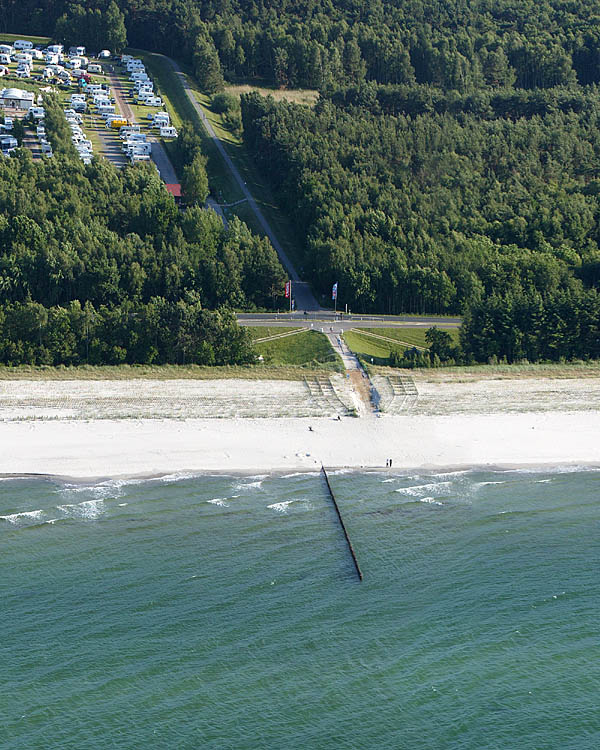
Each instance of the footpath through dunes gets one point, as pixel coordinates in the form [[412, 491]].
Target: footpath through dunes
[[304, 298]]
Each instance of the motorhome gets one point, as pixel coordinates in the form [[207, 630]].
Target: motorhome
[[76, 51], [5, 59], [6, 49], [106, 109], [38, 113], [168, 131], [104, 54], [127, 130], [23, 44], [56, 49], [73, 63], [94, 68], [24, 57], [161, 118], [136, 158], [52, 58], [8, 142]]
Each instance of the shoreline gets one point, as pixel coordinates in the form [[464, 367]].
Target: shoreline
[[101, 450], [78, 431], [183, 474]]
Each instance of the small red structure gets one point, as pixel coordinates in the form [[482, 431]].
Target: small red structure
[[175, 190]]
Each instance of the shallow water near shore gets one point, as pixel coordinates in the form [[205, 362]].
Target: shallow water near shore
[[225, 612]]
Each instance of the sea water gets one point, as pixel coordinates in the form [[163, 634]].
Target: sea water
[[225, 612]]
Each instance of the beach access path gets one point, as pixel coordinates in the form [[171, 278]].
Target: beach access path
[[360, 380]]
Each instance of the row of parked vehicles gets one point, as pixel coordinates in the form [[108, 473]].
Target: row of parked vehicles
[[58, 64], [8, 143], [82, 143], [142, 91]]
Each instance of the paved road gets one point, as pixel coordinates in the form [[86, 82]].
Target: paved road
[[335, 323], [163, 163], [303, 296]]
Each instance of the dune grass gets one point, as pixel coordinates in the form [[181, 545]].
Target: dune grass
[[158, 372], [473, 373]]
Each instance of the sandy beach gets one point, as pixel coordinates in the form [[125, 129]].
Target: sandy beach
[[111, 429]]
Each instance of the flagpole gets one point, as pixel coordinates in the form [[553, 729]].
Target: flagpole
[[290, 295]]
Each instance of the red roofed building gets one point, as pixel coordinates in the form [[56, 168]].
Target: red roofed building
[[175, 190]]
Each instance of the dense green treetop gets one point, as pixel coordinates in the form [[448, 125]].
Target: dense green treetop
[[456, 44]]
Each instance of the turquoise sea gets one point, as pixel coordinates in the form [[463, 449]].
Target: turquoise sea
[[225, 612]]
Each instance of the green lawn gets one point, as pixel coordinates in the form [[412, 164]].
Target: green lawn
[[380, 350], [262, 332], [306, 349], [10, 38]]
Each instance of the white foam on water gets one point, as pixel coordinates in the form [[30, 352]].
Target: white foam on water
[[88, 509], [218, 501], [249, 485], [170, 478], [301, 474], [430, 500], [281, 507], [418, 489], [483, 484], [101, 491], [122, 505], [14, 517]]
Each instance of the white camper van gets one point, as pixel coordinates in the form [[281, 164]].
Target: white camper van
[[23, 44]]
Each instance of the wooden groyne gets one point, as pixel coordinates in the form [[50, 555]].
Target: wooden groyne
[[342, 524]]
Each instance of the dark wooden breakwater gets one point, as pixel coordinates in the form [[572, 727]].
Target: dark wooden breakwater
[[342, 524]]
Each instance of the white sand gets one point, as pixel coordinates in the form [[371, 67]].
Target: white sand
[[82, 447]]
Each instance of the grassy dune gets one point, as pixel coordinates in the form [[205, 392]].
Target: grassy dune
[[379, 349]]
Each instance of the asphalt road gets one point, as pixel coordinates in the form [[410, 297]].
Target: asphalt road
[[303, 296], [336, 322]]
